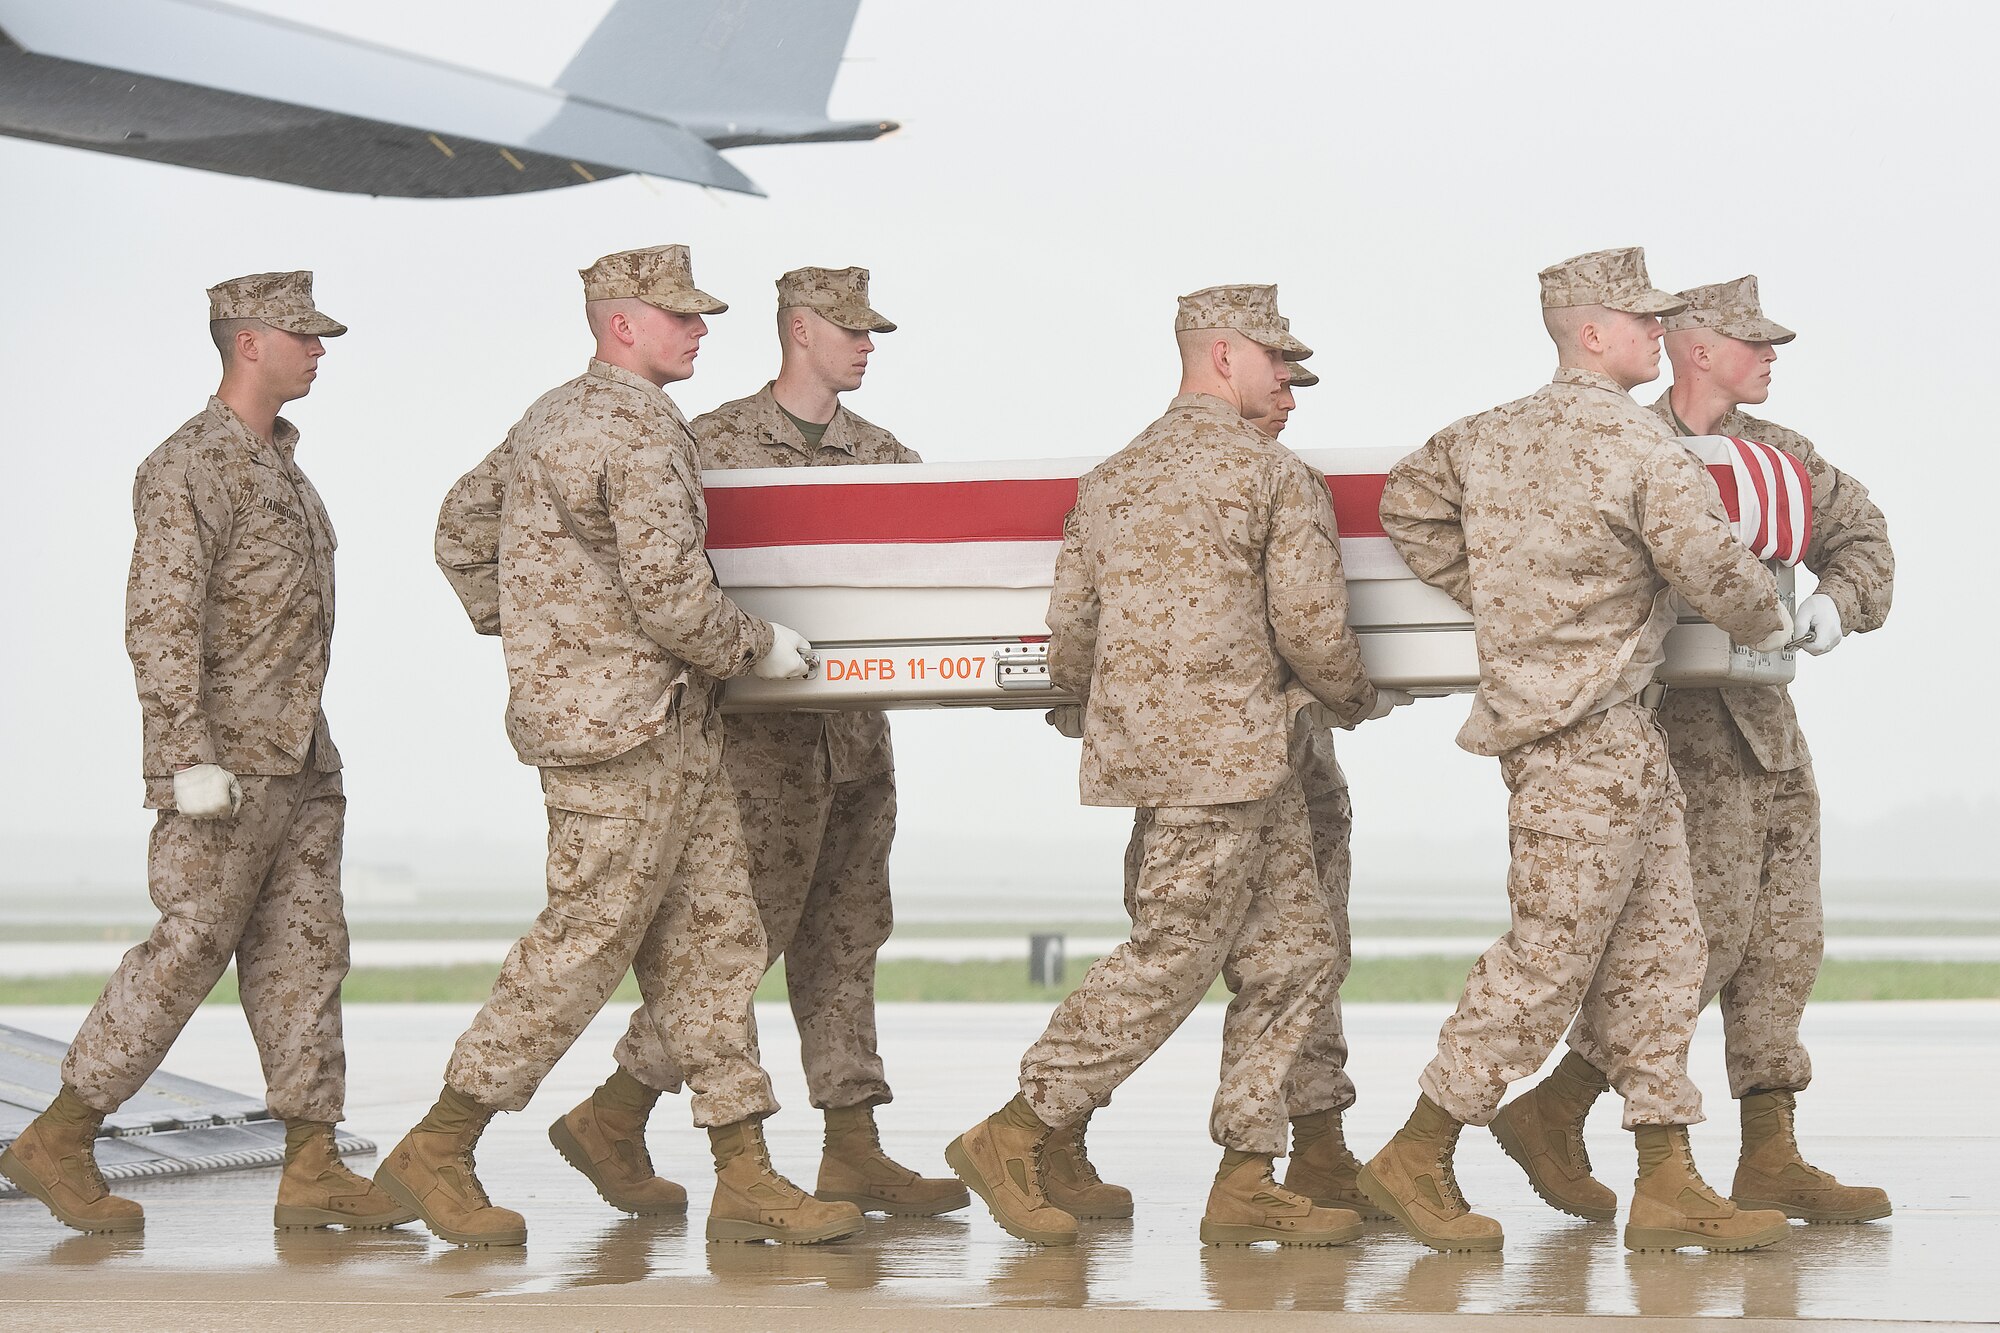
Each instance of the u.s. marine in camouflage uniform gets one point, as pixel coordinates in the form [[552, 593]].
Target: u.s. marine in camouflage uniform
[[1320, 1089], [1752, 804], [817, 791], [228, 620], [616, 639], [1198, 604], [1561, 521]]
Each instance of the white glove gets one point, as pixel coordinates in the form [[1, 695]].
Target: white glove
[[790, 657], [1818, 629], [207, 791], [1387, 701], [1777, 638], [1067, 720]]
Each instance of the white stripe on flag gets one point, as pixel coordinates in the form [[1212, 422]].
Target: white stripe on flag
[[959, 564]]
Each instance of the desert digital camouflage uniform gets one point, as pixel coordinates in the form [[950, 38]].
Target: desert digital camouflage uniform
[[615, 637], [1319, 1080], [228, 619], [1752, 805], [817, 796], [1198, 590], [1560, 521]]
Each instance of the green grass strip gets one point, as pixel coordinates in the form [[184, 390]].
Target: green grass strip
[[1375, 980]]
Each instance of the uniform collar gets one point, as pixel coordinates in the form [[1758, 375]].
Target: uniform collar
[[1589, 379], [604, 370], [1731, 423], [284, 435], [779, 429], [1204, 402]]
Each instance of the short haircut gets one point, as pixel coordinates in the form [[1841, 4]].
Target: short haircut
[[223, 332]]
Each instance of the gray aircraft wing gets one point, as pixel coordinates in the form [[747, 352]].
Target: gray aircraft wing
[[657, 88]]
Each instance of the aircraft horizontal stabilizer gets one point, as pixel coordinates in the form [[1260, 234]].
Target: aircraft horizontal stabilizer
[[732, 71], [217, 46]]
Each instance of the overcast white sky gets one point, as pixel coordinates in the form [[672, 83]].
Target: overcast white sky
[[1401, 171]]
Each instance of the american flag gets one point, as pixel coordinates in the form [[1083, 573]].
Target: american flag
[[1766, 490]]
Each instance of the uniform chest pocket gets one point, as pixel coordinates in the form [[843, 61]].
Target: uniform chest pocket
[[277, 521]]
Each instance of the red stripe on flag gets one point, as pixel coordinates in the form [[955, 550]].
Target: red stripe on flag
[[1787, 483], [871, 513], [1357, 503], [884, 513], [1755, 541], [1725, 482]]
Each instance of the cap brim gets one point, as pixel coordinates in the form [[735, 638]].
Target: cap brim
[[1279, 341], [855, 318], [314, 325], [1652, 301], [694, 301], [1306, 383], [1757, 331]]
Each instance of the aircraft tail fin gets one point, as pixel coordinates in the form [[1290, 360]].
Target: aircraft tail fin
[[732, 71]]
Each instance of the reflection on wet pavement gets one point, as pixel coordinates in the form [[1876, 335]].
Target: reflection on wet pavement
[[209, 1245]]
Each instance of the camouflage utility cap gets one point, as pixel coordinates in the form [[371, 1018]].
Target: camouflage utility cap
[[660, 275], [1251, 309], [840, 295], [282, 300], [1613, 278], [1731, 309], [1302, 376]]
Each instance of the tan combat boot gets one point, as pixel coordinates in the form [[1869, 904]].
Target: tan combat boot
[[753, 1202], [1245, 1206], [1542, 1130], [53, 1160], [431, 1171], [854, 1169], [1322, 1169], [317, 1189], [1072, 1183], [1411, 1179], [1672, 1206], [605, 1139], [1000, 1158], [1772, 1174]]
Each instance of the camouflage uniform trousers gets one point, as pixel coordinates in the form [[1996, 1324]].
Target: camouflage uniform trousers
[[1223, 890], [1753, 840], [1319, 1080], [1605, 929], [264, 886], [646, 871], [819, 865]]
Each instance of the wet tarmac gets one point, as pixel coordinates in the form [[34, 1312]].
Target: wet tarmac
[[1901, 1098]]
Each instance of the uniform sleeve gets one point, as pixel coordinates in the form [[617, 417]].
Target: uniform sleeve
[[1073, 613], [1850, 544], [891, 449], [1420, 512], [1684, 527], [467, 544], [657, 520], [1307, 597], [184, 520]]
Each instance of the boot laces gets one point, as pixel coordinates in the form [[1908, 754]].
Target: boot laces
[[1086, 1170], [478, 1191], [1447, 1175], [1579, 1151], [1684, 1150]]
